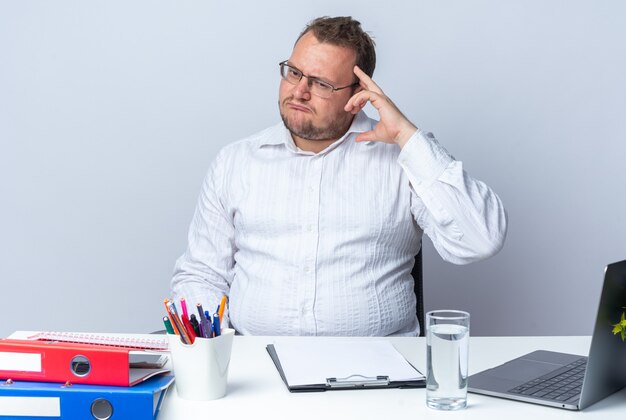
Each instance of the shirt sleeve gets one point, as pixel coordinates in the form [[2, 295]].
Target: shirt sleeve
[[463, 217], [204, 273]]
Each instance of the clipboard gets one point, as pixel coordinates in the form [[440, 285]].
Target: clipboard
[[394, 371]]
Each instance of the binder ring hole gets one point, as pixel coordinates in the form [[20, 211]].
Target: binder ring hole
[[80, 366], [101, 409]]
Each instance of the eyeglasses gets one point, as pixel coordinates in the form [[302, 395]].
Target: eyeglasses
[[318, 87]]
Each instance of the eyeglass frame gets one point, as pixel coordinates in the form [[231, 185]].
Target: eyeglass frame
[[311, 79]]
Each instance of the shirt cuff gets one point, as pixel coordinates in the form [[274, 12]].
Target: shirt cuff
[[423, 158]]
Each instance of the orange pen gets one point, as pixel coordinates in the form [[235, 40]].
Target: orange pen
[[222, 307], [182, 330], [171, 316]]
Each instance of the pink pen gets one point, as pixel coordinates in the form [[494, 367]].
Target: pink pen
[[183, 305]]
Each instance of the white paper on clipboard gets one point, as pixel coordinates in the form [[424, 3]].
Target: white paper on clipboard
[[307, 362]]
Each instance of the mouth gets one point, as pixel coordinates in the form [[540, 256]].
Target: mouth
[[298, 107]]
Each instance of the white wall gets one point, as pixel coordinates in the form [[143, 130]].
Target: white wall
[[110, 113]]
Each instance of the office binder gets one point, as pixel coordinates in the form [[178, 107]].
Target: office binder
[[38, 400], [50, 361], [334, 365]]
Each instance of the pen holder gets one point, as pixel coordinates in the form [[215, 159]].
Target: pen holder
[[201, 368]]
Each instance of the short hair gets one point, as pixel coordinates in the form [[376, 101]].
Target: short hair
[[346, 32]]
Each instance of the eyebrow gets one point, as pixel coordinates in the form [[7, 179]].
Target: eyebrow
[[323, 79]]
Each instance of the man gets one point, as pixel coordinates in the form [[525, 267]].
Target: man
[[311, 226]]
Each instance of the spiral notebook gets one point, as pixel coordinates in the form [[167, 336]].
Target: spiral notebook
[[138, 341]]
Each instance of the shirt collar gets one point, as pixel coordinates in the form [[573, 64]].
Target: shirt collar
[[281, 135]]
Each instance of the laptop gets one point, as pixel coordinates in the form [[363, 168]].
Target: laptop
[[565, 380]]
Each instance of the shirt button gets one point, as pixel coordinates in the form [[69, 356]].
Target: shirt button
[[307, 269], [311, 189], [309, 228]]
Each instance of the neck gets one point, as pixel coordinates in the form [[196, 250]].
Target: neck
[[314, 146]]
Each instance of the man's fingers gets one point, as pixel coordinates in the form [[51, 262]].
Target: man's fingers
[[356, 102], [367, 136], [360, 99], [366, 81]]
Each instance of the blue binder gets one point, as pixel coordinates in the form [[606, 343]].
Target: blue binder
[[22, 400]]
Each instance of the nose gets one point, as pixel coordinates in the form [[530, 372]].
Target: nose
[[302, 89]]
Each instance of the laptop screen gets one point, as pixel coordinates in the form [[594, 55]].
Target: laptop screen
[[606, 367]]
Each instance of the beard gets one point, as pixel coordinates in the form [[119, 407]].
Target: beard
[[307, 130]]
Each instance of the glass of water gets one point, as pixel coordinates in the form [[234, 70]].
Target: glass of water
[[447, 335]]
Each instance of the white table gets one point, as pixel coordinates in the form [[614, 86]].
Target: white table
[[256, 391]]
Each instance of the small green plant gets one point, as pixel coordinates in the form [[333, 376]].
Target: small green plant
[[620, 327]]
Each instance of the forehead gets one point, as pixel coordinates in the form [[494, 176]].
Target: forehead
[[327, 61]]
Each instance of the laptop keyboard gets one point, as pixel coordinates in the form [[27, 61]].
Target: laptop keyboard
[[563, 385]]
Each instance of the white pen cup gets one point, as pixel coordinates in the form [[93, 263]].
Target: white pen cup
[[201, 368], [447, 335]]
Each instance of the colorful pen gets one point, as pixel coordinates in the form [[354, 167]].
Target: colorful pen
[[183, 306], [204, 322], [166, 301], [184, 333], [216, 325], [168, 325], [189, 328], [196, 325], [209, 331], [222, 307]]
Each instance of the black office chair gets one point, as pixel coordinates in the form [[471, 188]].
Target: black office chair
[[419, 291]]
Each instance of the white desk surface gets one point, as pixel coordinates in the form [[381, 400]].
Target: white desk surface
[[255, 389]]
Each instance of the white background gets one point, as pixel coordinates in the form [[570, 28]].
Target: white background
[[111, 112]]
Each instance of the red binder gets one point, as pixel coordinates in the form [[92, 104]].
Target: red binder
[[47, 361]]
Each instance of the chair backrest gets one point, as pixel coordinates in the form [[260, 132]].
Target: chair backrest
[[419, 291]]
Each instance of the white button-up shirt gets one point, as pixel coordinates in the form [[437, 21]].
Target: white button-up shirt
[[324, 244]]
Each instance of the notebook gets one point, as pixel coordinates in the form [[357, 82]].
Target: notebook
[[564, 380], [139, 341]]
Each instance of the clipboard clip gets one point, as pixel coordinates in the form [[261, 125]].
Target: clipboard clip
[[357, 381]]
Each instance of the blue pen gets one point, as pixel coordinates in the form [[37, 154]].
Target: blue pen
[[216, 324], [209, 330]]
